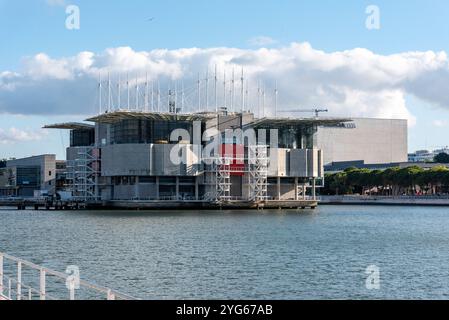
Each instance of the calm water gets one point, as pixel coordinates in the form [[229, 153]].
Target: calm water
[[243, 255]]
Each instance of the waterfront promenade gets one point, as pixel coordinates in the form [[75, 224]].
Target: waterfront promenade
[[386, 200]]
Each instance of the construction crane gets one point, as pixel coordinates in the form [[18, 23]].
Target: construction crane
[[316, 111]]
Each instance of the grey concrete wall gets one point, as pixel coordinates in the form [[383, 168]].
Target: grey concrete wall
[[126, 160], [374, 141], [279, 162], [47, 164], [302, 163]]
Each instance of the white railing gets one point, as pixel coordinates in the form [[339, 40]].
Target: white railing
[[12, 286]]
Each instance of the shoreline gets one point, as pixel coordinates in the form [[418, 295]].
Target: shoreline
[[442, 201]]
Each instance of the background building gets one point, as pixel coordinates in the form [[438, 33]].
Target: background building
[[364, 141], [22, 177], [426, 155]]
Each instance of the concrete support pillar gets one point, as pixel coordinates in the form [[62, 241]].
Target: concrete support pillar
[[304, 191], [157, 188], [177, 188], [136, 189], [197, 191], [296, 188], [279, 188], [314, 189]]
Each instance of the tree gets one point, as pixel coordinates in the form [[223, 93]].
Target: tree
[[441, 158]]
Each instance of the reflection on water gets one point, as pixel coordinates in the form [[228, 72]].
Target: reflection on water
[[321, 254]]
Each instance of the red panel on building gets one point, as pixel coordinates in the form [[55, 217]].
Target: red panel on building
[[237, 153]]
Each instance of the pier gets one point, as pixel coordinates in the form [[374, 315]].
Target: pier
[[40, 203]]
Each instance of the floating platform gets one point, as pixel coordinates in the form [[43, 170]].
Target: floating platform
[[203, 205]]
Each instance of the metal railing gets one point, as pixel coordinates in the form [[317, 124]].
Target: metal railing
[[12, 287]]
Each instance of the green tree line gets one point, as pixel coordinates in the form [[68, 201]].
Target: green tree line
[[390, 182]]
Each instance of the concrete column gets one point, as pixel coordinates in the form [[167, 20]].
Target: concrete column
[[314, 189], [304, 191], [296, 188], [136, 188], [177, 188], [197, 195], [157, 188], [279, 188]]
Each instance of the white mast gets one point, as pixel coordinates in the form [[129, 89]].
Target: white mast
[[158, 95], [207, 88], [232, 90], [109, 91], [276, 99], [152, 95], [243, 91], [99, 87], [182, 95], [199, 93], [263, 102], [258, 98], [137, 94], [146, 92], [119, 88], [215, 89], [224, 89], [127, 85], [176, 95], [247, 95]]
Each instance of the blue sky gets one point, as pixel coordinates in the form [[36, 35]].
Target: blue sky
[[28, 27]]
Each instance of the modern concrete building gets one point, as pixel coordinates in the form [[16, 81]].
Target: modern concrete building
[[365, 141], [426, 155], [127, 156], [22, 177]]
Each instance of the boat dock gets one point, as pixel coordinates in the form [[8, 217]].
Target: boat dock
[[40, 203]]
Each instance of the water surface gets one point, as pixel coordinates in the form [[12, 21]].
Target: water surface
[[321, 254]]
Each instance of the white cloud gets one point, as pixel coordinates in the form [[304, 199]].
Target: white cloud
[[13, 135], [440, 123], [353, 83], [59, 3], [261, 41]]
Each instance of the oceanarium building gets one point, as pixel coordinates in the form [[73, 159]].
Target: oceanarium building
[[168, 159]]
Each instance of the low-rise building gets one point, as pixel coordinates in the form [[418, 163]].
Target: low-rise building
[[30, 175]]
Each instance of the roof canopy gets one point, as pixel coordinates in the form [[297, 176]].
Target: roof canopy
[[294, 122], [116, 116], [70, 126]]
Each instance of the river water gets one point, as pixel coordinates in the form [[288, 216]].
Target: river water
[[320, 254]]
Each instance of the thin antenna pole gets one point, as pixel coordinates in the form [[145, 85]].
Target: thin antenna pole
[[182, 95], [99, 87], [207, 88], [232, 90], [109, 91], [258, 98], [137, 94], [276, 99], [176, 95], [224, 89], [158, 95], [215, 89], [146, 92], [199, 93], [152, 96], [242, 79], [119, 87], [263, 102], [169, 96], [127, 84], [247, 95]]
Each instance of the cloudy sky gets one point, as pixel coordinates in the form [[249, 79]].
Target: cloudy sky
[[318, 53]]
